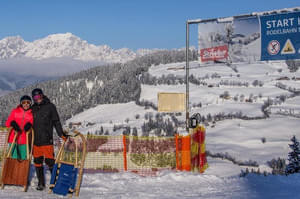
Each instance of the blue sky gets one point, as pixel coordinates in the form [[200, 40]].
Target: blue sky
[[122, 23]]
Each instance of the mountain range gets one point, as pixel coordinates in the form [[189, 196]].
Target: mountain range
[[64, 45], [23, 63]]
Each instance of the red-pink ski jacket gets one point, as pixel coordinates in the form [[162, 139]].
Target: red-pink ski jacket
[[21, 117]]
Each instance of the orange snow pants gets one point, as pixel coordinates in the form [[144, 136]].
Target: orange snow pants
[[43, 152]]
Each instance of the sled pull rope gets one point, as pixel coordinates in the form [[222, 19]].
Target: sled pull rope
[[75, 134]]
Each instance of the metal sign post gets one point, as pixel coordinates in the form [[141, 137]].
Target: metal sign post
[[187, 77], [187, 70]]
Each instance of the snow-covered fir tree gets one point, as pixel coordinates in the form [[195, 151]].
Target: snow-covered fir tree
[[294, 157]]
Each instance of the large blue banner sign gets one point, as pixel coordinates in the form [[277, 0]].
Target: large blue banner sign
[[280, 36]]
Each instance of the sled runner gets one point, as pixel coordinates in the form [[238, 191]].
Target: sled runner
[[16, 171], [67, 175]]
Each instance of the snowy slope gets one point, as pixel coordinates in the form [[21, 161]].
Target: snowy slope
[[108, 115], [234, 136], [220, 181], [242, 138]]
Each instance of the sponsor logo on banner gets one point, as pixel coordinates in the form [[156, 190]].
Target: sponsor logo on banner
[[214, 53]]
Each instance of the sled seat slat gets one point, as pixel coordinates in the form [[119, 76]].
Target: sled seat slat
[[14, 170], [63, 179]]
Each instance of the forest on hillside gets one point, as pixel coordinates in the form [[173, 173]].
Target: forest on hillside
[[108, 84]]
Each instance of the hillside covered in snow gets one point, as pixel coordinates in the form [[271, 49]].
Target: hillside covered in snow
[[106, 84]]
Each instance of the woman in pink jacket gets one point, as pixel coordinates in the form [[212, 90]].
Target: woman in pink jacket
[[21, 120]]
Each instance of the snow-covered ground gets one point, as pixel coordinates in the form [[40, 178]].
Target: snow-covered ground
[[220, 181], [241, 139]]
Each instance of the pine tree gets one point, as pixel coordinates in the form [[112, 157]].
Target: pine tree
[[294, 157]]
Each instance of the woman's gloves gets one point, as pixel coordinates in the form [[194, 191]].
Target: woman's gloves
[[15, 126], [27, 126]]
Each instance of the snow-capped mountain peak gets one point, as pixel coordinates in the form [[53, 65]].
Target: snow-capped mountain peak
[[62, 45], [12, 47]]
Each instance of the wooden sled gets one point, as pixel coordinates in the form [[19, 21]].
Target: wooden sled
[[14, 171], [66, 176]]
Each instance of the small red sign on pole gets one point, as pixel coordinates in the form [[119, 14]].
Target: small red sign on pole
[[214, 53]]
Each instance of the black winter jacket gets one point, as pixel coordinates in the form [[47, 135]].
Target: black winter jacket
[[45, 117]]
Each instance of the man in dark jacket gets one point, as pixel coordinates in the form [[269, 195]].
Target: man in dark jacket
[[45, 117]]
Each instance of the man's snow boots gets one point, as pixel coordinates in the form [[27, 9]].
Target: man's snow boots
[[41, 178]]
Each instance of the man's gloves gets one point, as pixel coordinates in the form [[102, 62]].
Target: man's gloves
[[27, 126], [15, 126], [65, 136]]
